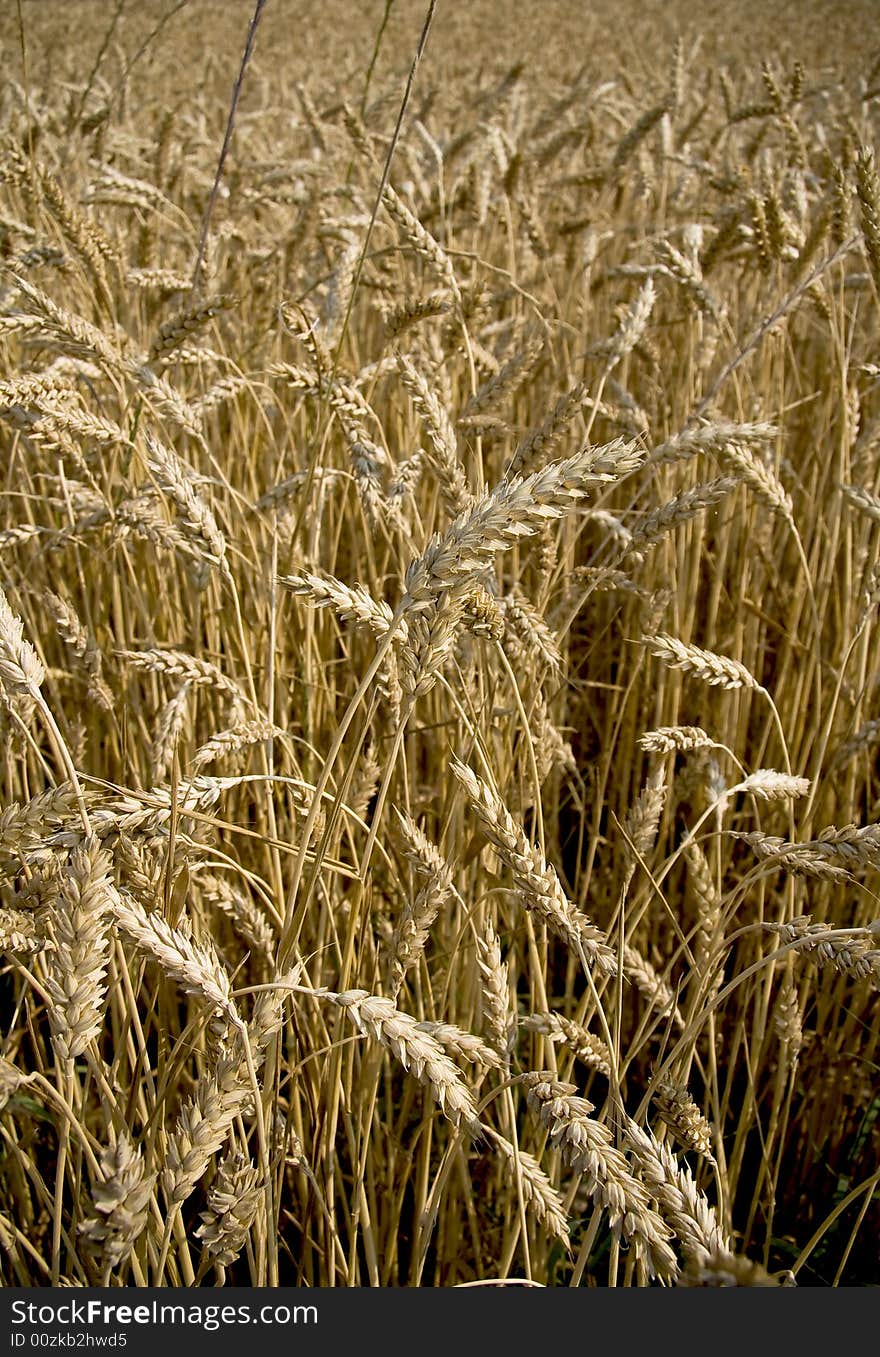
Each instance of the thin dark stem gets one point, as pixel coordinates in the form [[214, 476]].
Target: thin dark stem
[[98, 59], [24, 57], [375, 57], [386, 170], [227, 139], [26, 81], [145, 46]]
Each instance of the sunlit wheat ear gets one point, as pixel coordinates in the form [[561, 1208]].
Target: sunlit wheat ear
[[787, 1021], [25, 826], [195, 515], [631, 328], [228, 742], [801, 859], [680, 509], [768, 785], [185, 324], [868, 187], [121, 1197], [420, 239], [677, 1109], [365, 783], [587, 1146], [540, 442], [21, 932], [21, 672], [537, 884], [708, 902], [688, 274], [414, 923], [667, 739], [589, 1049], [761, 479], [503, 383], [498, 1020], [344, 398], [351, 603], [432, 634], [172, 719], [482, 614], [81, 230], [527, 634], [851, 951], [461, 1044], [863, 499], [419, 1052], [683, 1206], [177, 664], [80, 922], [641, 973], [411, 933], [643, 817], [247, 918], [714, 437], [79, 639], [162, 280], [399, 318], [442, 451], [195, 967], [60, 419], [201, 1129], [717, 670], [513, 510], [72, 332]]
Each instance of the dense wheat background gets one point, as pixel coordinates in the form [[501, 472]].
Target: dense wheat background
[[438, 645]]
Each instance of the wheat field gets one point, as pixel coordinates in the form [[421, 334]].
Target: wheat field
[[439, 662]]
